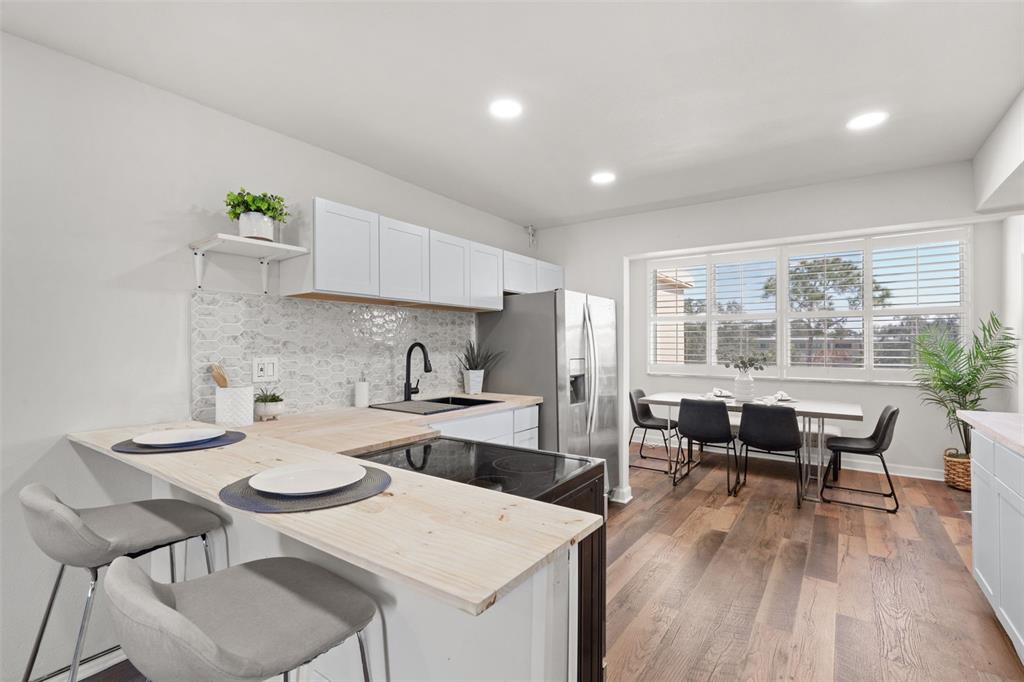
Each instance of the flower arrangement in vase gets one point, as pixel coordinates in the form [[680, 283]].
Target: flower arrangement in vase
[[743, 384]]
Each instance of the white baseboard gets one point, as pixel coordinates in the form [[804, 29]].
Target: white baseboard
[[850, 461]]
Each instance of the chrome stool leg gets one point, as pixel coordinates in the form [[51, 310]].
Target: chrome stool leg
[[208, 553], [80, 643], [362, 655], [174, 568], [42, 626]]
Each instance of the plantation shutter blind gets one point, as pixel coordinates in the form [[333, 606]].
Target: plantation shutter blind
[[679, 296]]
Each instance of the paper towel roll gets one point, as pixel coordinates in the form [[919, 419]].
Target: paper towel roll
[[362, 393]]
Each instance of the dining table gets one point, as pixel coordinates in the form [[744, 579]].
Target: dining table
[[811, 413]]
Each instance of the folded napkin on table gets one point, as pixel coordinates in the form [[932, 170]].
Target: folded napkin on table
[[781, 395], [721, 393]]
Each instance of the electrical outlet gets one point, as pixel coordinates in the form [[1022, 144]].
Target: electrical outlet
[[264, 370]]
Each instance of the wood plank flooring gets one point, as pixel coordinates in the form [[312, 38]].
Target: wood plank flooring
[[702, 586]]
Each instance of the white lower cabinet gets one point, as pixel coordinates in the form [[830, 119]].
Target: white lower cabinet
[[526, 439], [498, 428], [997, 529]]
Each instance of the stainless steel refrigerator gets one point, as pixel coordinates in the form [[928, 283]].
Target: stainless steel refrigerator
[[561, 345]]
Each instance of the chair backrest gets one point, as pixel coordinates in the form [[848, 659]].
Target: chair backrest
[[159, 640], [59, 531], [705, 421], [770, 427], [885, 428], [641, 411]]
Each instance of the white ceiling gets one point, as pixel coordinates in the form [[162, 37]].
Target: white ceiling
[[686, 102]]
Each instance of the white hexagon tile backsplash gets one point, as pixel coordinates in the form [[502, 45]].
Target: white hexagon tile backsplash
[[323, 347]]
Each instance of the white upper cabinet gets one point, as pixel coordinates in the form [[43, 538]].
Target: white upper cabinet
[[404, 260], [486, 276], [520, 273], [345, 249], [449, 269], [549, 276]]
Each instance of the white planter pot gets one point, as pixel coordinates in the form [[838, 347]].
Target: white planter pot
[[267, 411], [256, 226], [473, 381], [743, 387]]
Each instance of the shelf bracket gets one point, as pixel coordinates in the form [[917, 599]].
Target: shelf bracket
[[265, 274], [199, 261]]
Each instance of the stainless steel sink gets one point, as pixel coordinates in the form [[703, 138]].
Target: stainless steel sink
[[433, 405]]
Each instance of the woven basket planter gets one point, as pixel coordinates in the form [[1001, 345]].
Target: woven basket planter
[[958, 470]]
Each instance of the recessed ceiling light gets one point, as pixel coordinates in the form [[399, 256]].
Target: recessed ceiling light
[[506, 108], [603, 178], [868, 120]]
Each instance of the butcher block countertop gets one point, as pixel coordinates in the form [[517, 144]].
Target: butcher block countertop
[[464, 545], [357, 430], [1005, 428]]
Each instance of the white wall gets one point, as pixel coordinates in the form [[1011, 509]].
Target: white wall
[[593, 253], [1013, 296], [999, 164], [105, 181]]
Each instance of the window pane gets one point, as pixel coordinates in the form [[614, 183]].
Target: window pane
[[916, 276], [679, 343], [829, 281], [745, 287], [826, 342], [893, 336], [680, 290], [744, 337]]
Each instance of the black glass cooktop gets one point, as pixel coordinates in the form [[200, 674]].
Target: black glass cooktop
[[518, 471]]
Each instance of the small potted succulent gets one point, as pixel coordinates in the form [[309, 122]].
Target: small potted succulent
[[269, 404], [256, 213], [475, 361], [743, 384]]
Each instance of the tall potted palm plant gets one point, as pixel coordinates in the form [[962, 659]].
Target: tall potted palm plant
[[955, 373]]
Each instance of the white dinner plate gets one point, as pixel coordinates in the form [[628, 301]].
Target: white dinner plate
[[307, 479], [170, 438]]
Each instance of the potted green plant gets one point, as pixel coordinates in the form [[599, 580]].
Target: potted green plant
[[744, 364], [954, 374], [475, 361], [256, 213], [269, 404]]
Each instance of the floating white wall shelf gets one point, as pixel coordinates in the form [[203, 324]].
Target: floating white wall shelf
[[264, 252]]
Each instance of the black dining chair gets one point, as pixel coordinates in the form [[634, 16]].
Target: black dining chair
[[707, 423], [772, 429], [644, 419], [876, 444]]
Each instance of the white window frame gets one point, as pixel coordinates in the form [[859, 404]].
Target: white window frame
[[783, 315]]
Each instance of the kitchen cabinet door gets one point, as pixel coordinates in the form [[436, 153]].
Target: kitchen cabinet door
[[345, 249], [1011, 564], [985, 531], [404, 261], [520, 273], [449, 269], [486, 276], [549, 276]]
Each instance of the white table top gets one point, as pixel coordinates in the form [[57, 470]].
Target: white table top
[[818, 409]]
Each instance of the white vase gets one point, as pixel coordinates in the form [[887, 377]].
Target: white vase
[[268, 411], [233, 406], [743, 387], [256, 226], [473, 381]]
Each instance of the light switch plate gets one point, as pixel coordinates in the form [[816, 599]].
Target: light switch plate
[[264, 370]]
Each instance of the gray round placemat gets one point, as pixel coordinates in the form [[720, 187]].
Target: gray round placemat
[[241, 495], [129, 447]]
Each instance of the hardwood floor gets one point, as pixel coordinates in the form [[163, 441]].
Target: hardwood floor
[[702, 586]]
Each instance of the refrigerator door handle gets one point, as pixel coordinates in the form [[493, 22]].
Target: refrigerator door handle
[[592, 366]]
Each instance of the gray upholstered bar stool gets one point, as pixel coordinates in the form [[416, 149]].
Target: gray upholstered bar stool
[[92, 538], [243, 624]]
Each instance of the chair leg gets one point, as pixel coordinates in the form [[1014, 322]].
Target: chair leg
[[643, 439], [285, 676], [208, 554], [837, 467], [173, 563], [799, 481], [892, 490], [362, 655], [80, 642], [42, 626]]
